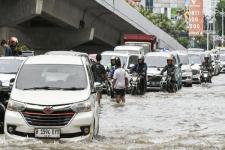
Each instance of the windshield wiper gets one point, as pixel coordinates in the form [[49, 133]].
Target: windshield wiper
[[9, 72], [43, 88], [73, 88]]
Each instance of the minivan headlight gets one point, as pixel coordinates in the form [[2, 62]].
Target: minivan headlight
[[81, 107], [16, 106]]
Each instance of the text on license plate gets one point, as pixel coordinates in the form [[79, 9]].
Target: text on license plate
[[47, 133]]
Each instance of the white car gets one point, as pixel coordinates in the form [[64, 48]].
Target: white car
[[53, 97], [8, 70], [156, 61], [186, 69], [195, 61]]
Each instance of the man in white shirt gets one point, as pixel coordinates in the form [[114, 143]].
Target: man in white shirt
[[120, 82]]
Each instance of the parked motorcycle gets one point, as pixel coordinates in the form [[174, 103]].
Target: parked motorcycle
[[168, 85]]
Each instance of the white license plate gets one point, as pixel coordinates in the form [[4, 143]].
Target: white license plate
[[47, 133]]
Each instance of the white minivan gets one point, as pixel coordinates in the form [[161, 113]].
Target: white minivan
[[53, 97]]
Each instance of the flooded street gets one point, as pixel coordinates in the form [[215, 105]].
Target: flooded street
[[193, 118]]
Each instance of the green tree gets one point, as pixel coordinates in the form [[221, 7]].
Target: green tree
[[220, 7], [163, 22]]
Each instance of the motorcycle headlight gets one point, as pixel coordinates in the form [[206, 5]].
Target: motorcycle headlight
[[81, 107], [16, 106]]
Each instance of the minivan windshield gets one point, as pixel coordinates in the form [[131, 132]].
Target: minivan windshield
[[194, 59], [106, 59], [10, 66], [55, 77], [156, 61], [184, 59]]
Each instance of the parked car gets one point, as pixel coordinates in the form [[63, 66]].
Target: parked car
[[8, 70], [195, 60], [186, 69], [53, 97], [156, 61]]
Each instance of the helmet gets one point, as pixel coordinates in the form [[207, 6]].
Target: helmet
[[113, 58], [117, 61], [207, 56], [170, 58], [14, 39], [140, 57]]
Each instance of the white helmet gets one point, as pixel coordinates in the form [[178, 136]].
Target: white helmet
[[170, 58]]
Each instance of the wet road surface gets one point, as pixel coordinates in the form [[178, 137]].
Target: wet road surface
[[193, 118]]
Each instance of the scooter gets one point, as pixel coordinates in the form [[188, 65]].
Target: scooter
[[135, 84], [168, 85], [205, 77]]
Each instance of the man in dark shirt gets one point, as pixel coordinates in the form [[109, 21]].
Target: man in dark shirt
[[141, 69], [99, 72]]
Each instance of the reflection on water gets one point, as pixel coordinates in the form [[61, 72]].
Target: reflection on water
[[193, 118]]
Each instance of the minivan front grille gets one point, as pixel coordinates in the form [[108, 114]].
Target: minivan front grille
[[56, 118]]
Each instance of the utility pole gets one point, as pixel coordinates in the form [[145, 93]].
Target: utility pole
[[207, 33], [222, 27]]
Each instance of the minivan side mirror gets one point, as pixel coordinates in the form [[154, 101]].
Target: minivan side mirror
[[98, 87], [11, 83]]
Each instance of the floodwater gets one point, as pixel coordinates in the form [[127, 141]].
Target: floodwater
[[193, 118]]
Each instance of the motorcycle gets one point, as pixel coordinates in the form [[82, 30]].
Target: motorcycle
[[205, 76], [168, 85], [135, 84]]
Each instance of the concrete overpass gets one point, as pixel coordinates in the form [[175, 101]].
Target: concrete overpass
[[66, 24]]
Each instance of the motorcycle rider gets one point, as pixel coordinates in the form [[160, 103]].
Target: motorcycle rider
[[141, 69], [111, 64], [207, 64], [170, 68]]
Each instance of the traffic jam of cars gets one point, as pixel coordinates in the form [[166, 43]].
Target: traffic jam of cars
[[54, 95]]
